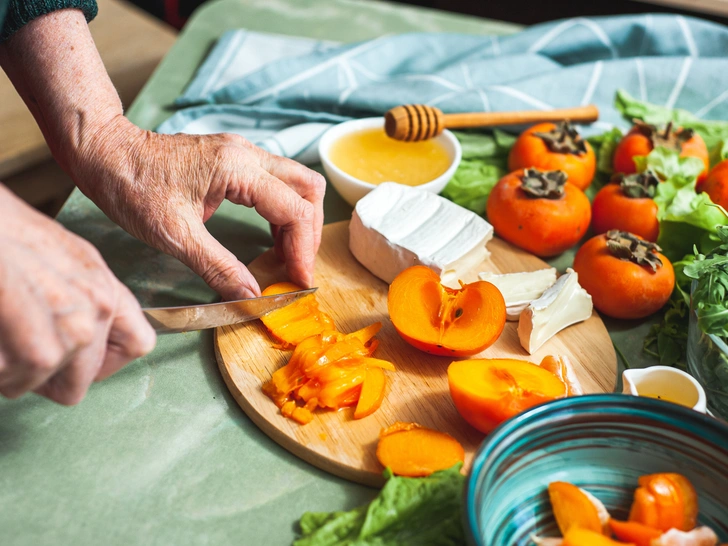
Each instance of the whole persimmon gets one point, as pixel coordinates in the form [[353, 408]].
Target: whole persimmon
[[552, 147], [625, 275], [539, 211], [628, 206], [716, 185], [643, 138]]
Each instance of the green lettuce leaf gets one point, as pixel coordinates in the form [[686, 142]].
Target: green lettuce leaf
[[604, 146], [687, 218], [407, 512], [712, 131], [484, 162]]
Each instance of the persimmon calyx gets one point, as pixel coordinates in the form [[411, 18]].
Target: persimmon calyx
[[543, 184], [564, 139], [627, 246], [667, 136], [639, 185]]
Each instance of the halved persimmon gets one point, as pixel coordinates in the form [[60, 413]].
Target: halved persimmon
[[489, 391], [293, 323], [445, 321]]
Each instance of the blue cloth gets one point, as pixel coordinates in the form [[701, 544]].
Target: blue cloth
[[260, 85]]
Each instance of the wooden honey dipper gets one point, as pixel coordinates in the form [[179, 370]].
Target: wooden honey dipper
[[415, 122]]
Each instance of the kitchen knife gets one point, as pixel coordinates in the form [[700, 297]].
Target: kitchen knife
[[171, 320]]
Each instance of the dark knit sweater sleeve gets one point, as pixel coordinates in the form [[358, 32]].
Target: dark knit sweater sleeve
[[22, 12]]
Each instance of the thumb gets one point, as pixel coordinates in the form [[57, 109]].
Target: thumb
[[219, 267]]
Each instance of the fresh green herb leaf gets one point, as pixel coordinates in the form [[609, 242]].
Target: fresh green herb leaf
[[407, 512], [485, 161]]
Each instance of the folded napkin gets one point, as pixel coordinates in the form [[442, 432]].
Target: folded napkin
[[282, 93]]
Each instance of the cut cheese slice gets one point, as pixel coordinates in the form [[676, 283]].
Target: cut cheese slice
[[395, 227], [562, 305], [520, 289]]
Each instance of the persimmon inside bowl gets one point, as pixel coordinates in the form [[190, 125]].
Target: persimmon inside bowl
[[602, 443]]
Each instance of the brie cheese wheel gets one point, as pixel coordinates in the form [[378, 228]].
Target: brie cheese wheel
[[560, 306], [520, 289], [395, 227]]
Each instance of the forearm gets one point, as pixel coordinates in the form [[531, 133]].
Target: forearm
[[56, 68]]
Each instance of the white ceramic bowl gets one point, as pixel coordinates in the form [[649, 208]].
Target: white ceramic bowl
[[352, 189]]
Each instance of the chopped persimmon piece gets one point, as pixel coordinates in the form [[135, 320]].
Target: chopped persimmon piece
[[665, 501], [585, 537], [293, 323], [328, 370], [631, 531], [573, 508], [372, 392], [409, 449]]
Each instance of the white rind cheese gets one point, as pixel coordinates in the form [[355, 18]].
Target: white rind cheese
[[520, 289], [395, 227], [562, 305]]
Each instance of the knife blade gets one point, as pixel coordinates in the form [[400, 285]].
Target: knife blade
[[172, 320]]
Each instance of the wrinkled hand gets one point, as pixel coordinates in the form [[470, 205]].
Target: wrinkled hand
[[65, 320], [162, 188]]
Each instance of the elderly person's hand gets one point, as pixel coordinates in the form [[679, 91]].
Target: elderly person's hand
[[65, 320], [162, 189], [159, 188]]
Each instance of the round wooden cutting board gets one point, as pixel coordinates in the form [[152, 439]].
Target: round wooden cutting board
[[417, 391]]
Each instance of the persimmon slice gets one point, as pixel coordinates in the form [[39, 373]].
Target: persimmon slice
[[631, 531], [372, 392], [665, 501], [293, 323], [584, 537], [409, 449], [572, 507], [445, 321], [487, 392], [328, 370]]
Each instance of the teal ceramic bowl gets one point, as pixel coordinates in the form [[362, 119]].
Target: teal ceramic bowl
[[602, 443]]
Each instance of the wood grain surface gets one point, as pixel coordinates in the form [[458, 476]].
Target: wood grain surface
[[417, 391]]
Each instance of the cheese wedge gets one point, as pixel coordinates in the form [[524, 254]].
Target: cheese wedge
[[562, 305], [395, 227], [520, 289]]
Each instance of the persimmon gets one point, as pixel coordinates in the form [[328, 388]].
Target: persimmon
[[643, 138], [293, 323], [489, 391], [626, 276], [562, 368], [409, 449], [555, 147], [585, 537], [372, 393], [716, 184], [665, 501], [628, 206], [631, 531], [539, 211], [572, 507], [329, 370], [441, 320]]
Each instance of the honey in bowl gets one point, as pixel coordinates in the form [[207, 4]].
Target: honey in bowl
[[371, 156]]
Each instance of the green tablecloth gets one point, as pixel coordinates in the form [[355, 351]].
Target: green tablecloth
[[160, 453]]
